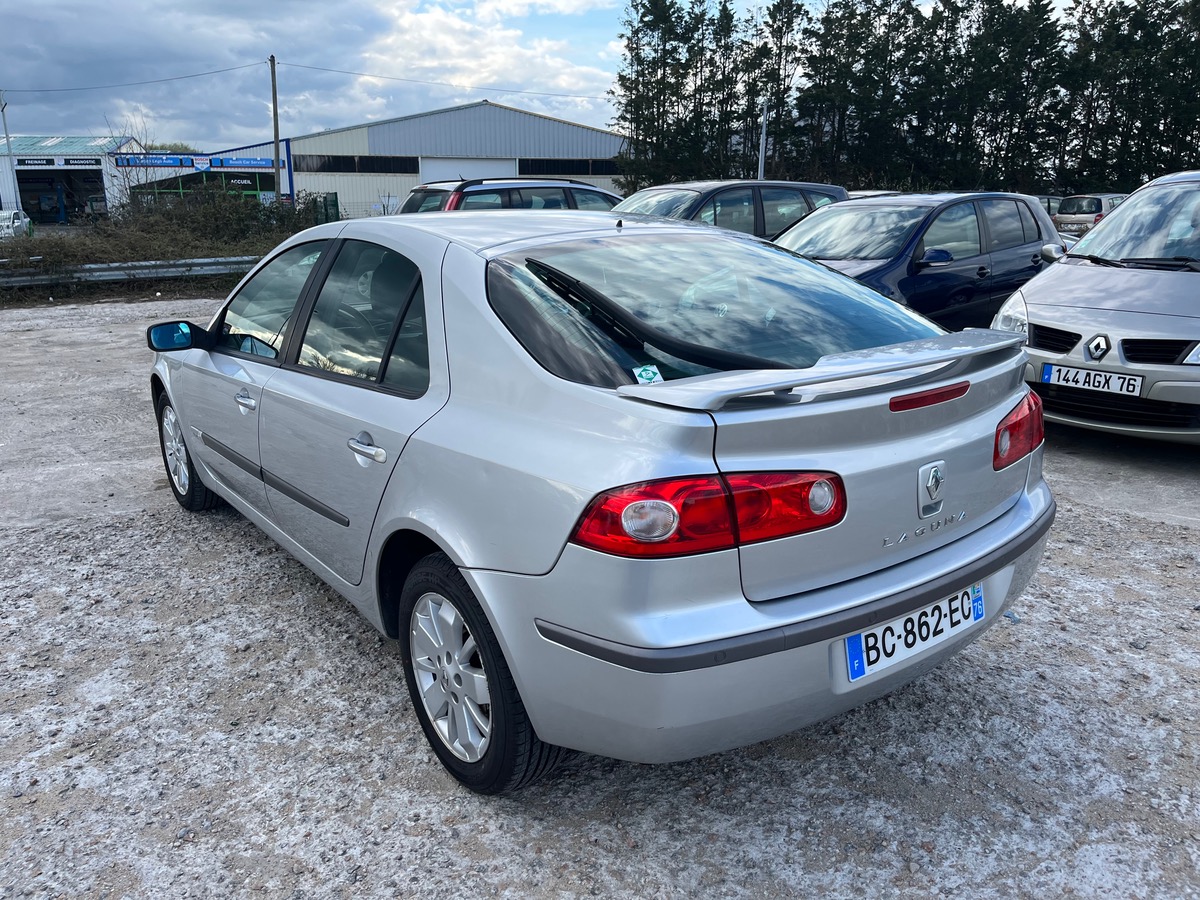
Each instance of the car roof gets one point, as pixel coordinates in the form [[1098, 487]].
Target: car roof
[[1176, 177], [485, 231], [1098, 194], [932, 199], [733, 182], [506, 180]]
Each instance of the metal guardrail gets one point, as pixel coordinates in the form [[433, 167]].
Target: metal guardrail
[[96, 273]]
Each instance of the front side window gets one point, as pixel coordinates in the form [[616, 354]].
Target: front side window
[[955, 229], [1004, 223], [598, 311], [367, 292], [732, 209], [256, 320]]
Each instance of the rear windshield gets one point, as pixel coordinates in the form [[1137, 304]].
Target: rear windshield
[[853, 231], [671, 203], [1080, 206], [612, 311], [425, 201]]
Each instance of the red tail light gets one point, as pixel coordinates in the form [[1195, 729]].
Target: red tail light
[[681, 516], [1021, 432], [1099, 216], [453, 200], [921, 399]]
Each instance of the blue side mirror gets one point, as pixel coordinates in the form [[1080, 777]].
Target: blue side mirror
[[169, 336], [935, 256]]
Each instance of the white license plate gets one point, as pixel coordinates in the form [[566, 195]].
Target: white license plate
[[870, 651], [1092, 380]]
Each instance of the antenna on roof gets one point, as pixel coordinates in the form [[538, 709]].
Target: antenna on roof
[[620, 223]]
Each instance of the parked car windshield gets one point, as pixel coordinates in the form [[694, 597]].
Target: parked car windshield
[[611, 311], [853, 231], [670, 203], [1158, 222]]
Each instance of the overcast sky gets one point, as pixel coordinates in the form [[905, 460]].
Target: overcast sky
[[471, 51]]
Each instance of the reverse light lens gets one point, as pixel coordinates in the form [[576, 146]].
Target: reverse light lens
[[1021, 432], [650, 520], [1013, 315], [681, 516]]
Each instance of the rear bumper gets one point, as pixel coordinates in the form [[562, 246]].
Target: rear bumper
[[658, 700]]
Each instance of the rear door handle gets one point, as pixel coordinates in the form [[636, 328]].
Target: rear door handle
[[245, 401], [982, 272]]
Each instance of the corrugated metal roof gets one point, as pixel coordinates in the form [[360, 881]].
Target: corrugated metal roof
[[482, 129], [63, 145]]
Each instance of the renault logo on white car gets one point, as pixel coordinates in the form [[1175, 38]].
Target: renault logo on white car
[[1098, 347], [929, 491]]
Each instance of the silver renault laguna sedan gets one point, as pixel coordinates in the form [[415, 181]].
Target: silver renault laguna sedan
[[638, 488]]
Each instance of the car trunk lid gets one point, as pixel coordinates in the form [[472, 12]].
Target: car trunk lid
[[838, 417]]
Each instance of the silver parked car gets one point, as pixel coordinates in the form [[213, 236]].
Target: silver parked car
[[640, 489], [1080, 213], [1114, 328]]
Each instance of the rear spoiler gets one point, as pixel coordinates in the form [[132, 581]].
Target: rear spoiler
[[711, 392]]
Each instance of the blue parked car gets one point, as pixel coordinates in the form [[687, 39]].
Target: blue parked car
[[953, 257]]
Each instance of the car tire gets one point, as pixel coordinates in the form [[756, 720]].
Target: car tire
[[185, 484], [461, 687]]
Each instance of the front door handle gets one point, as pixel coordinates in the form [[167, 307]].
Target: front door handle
[[983, 271], [370, 451], [245, 401]]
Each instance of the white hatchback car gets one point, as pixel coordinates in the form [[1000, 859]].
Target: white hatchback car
[[635, 488]]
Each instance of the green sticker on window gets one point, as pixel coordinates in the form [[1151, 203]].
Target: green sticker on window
[[647, 374]]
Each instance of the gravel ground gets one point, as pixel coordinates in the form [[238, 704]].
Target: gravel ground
[[186, 711]]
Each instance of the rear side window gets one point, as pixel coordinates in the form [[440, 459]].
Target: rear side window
[[782, 207], [540, 198], [600, 311], [1004, 224], [1029, 224], [733, 209]]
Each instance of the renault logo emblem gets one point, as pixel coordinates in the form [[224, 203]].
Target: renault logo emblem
[[930, 480], [1098, 347], [935, 482]]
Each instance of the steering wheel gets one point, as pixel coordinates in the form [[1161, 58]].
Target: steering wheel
[[351, 320]]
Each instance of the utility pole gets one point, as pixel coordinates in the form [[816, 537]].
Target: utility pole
[[762, 141], [275, 121], [12, 163]]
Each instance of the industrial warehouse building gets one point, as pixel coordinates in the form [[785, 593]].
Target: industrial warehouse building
[[368, 168], [372, 167]]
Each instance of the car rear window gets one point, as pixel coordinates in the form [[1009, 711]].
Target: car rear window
[[1080, 206], [425, 201], [600, 311]]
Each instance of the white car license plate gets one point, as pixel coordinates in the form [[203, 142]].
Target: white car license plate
[[1092, 380], [885, 645]]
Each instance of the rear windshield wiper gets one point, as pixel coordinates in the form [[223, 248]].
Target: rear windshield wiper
[[1097, 260], [627, 322], [1164, 262]]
